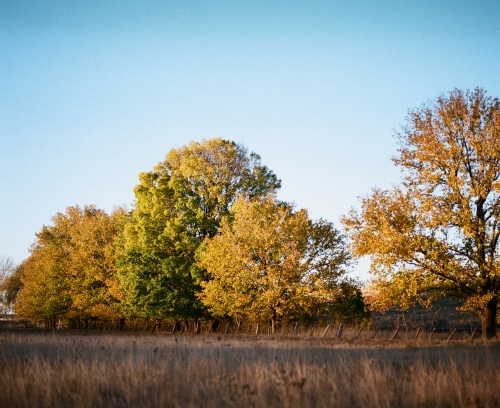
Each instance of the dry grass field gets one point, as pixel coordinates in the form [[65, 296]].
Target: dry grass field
[[92, 369]]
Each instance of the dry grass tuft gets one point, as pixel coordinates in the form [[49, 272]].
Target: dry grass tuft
[[39, 369]]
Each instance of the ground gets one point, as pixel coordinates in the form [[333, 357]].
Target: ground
[[124, 369]]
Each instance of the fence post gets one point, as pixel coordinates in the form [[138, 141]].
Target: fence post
[[432, 332], [418, 331], [452, 333], [473, 333], [395, 334], [357, 335], [340, 330]]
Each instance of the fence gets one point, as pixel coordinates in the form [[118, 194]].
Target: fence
[[336, 332]]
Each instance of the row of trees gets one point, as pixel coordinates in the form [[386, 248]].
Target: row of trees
[[208, 238]]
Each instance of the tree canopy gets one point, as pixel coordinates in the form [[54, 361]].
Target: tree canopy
[[178, 204], [437, 233], [272, 263], [70, 271]]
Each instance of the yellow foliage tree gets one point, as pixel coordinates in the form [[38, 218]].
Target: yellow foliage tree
[[71, 270], [45, 293], [271, 263], [437, 234]]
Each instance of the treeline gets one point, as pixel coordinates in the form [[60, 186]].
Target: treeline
[[207, 240]]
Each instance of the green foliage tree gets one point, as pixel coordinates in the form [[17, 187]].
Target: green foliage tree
[[271, 263], [343, 303], [70, 272], [178, 204], [437, 234]]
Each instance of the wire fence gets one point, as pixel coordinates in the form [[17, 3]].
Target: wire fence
[[336, 332]]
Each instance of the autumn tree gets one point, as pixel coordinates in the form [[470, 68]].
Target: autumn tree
[[45, 295], [271, 263], [70, 272], [178, 204], [436, 234]]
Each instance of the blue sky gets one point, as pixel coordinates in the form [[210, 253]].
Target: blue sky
[[94, 92]]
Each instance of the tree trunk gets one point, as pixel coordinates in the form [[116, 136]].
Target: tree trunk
[[176, 324], [157, 322], [489, 319], [214, 325]]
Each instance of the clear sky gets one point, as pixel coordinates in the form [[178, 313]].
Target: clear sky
[[94, 92]]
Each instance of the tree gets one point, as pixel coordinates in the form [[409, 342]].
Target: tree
[[271, 263], [70, 272], [178, 204], [12, 286], [91, 262], [45, 293], [6, 269], [437, 234]]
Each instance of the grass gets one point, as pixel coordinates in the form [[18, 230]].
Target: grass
[[77, 369]]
